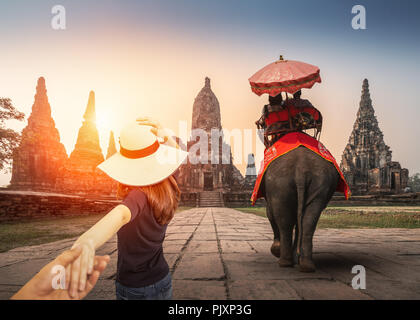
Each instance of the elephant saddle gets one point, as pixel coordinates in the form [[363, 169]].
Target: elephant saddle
[[288, 143]]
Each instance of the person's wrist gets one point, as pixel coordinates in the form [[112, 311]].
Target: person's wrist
[[163, 133], [84, 243]]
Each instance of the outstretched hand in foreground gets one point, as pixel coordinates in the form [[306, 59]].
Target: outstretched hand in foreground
[[41, 286]]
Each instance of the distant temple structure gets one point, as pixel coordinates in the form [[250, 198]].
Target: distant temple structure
[[366, 160], [251, 173], [213, 170], [111, 145], [40, 163], [79, 174], [209, 178], [40, 155]]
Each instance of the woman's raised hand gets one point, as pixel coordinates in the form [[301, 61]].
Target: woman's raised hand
[[82, 267], [148, 121], [157, 128]]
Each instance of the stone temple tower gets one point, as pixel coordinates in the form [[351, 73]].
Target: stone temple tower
[[209, 166], [366, 160], [112, 149], [37, 160], [79, 174], [87, 152], [251, 173], [206, 110]]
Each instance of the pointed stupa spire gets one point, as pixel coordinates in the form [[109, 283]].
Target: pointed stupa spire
[[207, 82], [41, 89], [87, 151], [41, 109], [111, 145], [90, 114], [206, 109], [365, 101]]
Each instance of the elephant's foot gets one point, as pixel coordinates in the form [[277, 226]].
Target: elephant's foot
[[306, 265], [285, 262], [275, 248]]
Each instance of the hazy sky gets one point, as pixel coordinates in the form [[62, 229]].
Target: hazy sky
[[151, 57]]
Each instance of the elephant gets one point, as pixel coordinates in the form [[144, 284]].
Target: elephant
[[297, 187]]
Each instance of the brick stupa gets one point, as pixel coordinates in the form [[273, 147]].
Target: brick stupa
[[37, 160], [251, 173], [367, 161], [80, 175], [111, 145], [215, 171]]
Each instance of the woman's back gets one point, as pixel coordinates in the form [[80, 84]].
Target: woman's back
[[140, 254]]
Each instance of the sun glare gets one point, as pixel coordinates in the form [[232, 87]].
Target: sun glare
[[103, 121]]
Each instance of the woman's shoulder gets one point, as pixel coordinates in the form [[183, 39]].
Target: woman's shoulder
[[137, 195], [136, 201]]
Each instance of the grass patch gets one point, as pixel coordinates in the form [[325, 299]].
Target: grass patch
[[360, 217], [32, 232], [38, 231]]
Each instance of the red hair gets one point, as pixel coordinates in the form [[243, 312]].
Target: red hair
[[163, 198]]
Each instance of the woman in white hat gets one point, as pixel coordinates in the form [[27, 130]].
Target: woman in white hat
[[143, 168]]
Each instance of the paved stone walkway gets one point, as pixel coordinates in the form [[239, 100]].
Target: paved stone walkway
[[221, 253]]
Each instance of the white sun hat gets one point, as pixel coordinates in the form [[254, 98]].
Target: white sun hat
[[142, 159]]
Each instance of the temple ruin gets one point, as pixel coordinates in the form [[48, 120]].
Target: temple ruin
[[211, 173], [40, 163], [40, 155], [111, 145], [366, 160], [251, 173], [79, 173]]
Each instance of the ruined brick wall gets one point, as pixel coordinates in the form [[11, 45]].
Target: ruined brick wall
[[188, 199], [241, 199], [405, 199], [27, 205]]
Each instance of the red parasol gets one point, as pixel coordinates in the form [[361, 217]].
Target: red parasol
[[284, 76]]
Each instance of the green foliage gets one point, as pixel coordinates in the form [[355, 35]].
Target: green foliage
[[9, 139], [414, 182]]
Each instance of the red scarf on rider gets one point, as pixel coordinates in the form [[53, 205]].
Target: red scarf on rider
[[288, 143]]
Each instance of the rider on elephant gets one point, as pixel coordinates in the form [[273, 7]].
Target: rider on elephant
[[280, 117]]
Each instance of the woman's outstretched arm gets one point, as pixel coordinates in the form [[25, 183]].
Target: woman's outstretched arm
[[91, 240]]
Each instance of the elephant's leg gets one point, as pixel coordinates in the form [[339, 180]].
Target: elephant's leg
[[281, 197], [295, 241], [310, 220], [320, 193], [275, 247], [286, 222]]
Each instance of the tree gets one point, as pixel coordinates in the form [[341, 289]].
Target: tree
[[414, 182], [9, 139]]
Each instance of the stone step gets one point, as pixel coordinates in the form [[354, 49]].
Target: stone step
[[211, 199], [206, 204]]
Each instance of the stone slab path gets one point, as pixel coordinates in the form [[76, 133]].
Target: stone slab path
[[221, 253]]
